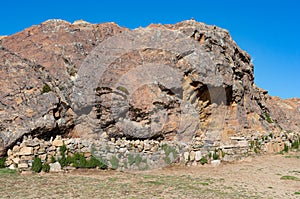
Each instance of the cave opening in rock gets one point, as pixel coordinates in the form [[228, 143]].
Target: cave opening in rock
[[215, 94]]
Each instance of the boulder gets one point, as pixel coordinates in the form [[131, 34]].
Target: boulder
[[164, 82], [55, 167]]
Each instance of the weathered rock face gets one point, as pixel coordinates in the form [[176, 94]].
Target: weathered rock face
[[37, 66], [172, 82]]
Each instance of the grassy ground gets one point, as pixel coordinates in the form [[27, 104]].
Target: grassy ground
[[262, 177]]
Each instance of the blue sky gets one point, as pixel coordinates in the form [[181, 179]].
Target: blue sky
[[267, 30]]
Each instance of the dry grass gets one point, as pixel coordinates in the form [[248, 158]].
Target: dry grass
[[258, 178]]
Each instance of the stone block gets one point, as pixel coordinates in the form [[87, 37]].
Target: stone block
[[55, 167], [192, 155], [16, 148], [26, 151], [23, 165], [16, 160], [186, 156], [57, 143], [215, 163], [198, 156]]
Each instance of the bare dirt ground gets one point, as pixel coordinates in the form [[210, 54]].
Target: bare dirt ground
[[268, 176]]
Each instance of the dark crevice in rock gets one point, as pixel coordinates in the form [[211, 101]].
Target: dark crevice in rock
[[218, 95]]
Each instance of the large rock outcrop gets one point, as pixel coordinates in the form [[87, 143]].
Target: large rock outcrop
[[174, 82]]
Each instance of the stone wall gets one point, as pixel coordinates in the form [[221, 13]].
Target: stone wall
[[122, 154]]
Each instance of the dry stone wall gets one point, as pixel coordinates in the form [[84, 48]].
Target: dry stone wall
[[122, 154]]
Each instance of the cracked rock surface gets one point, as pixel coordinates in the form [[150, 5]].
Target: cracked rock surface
[[166, 82]]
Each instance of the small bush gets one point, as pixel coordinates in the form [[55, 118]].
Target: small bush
[[215, 155], [53, 159], [131, 159], [114, 161], [63, 149], [286, 148], [46, 88], [203, 160], [46, 167], [268, 118], [138, 160], [2, 162], [169, 149], [295, 144], [63, 161], [79, 161], [37, 165], [223, 154]]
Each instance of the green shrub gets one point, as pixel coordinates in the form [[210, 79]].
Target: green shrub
[[98, 162], [168, 150], [203, 160], [46, 88], [37, 165], [131, 159], [268, 118], [63, 149], [295, 144], [79, 161], [53, 159], [46, 167], [215, 155], [286, 148], [223, 154], [138, 160], [2, 162], [63, 161], [114, 161]]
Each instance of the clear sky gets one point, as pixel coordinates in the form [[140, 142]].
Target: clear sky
[[268, 30]]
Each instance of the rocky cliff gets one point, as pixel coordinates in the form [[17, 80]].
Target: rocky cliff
[[185, 82]]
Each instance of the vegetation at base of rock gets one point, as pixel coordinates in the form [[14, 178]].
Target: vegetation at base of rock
[[46, 167], [114, 161], [37, 165], [7, 171], [203, 160], [79, 161], [215, 155], [2, 162], [52, 159], [135, 159], [223, 154], [290, 178], [295, 144], [297, 193], [63, 160], [63, 149], [46, 88], [169, 150], [286, 148]]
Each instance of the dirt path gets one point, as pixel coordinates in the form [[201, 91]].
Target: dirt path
[[259, 177]]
